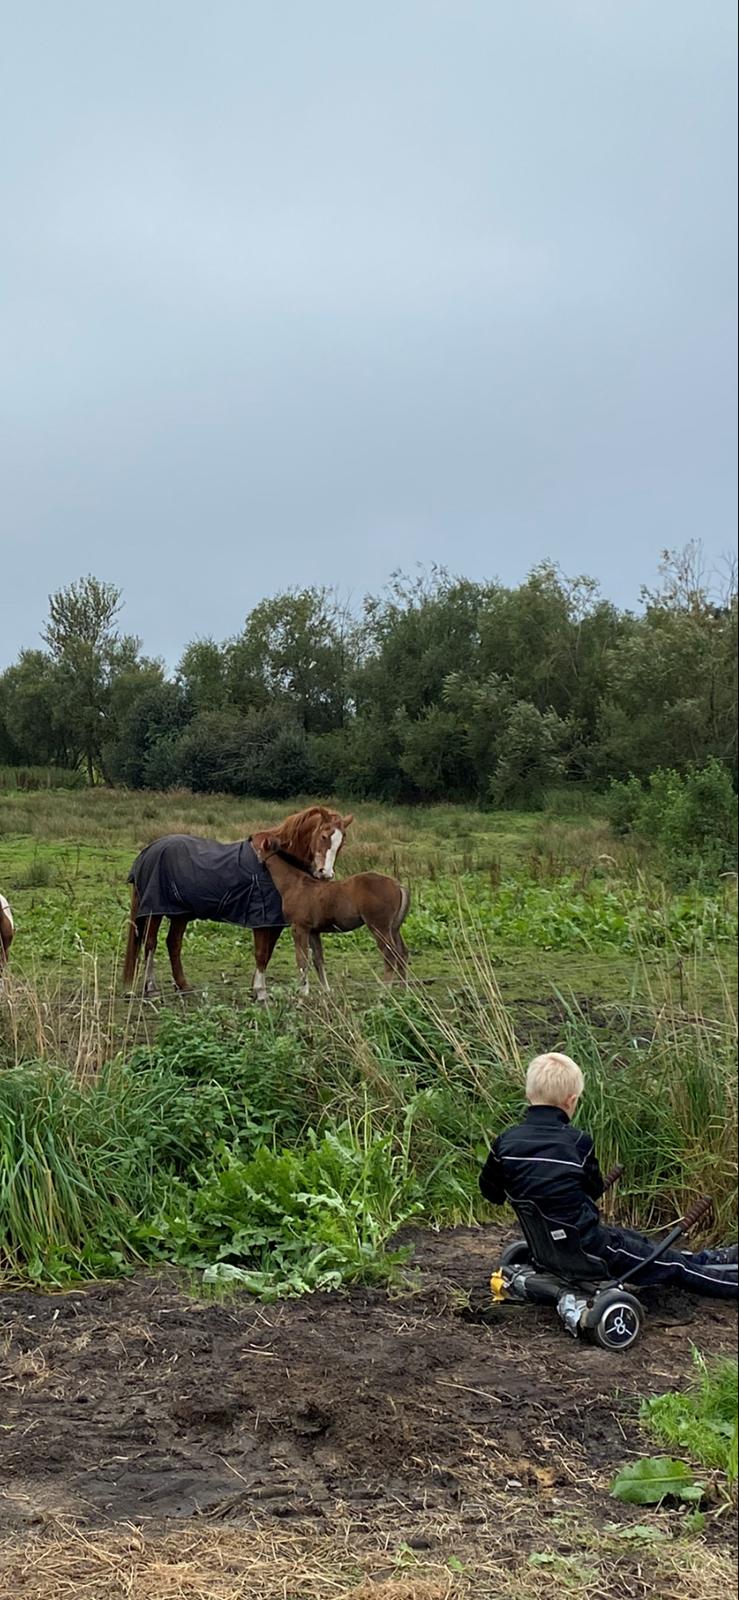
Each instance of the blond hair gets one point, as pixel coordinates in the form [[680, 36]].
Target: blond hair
[[552, 1078]]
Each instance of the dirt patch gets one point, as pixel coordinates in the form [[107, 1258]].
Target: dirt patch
[[414, 1420]]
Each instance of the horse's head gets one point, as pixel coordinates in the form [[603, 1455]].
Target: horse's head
[[314, 837]]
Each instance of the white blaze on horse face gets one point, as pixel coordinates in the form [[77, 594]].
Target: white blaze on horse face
[[327, 870], [6, 912]]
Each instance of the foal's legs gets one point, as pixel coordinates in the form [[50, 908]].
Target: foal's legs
[[316, 950], [6, 939], [403, 956], [385, 940], [265, 940], [302, 948], [175, 936], [153, 924]]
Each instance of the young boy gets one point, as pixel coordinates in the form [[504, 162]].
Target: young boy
[[546, 1160]]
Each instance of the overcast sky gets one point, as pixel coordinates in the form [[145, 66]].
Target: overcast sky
[[301, 292]]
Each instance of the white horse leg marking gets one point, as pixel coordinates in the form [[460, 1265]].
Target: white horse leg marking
[[150, 982], [259, 986]]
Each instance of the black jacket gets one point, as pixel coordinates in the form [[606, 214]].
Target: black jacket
[[545, 1159]]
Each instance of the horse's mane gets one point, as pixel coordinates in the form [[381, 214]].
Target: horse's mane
[[296, 831]]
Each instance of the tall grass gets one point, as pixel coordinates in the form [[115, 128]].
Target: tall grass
[[195, 1143], [28, 779]]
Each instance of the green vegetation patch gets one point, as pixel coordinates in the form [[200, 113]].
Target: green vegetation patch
[[700, 1420]]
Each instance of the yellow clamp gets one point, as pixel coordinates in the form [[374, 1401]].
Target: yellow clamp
[[498, 1286]]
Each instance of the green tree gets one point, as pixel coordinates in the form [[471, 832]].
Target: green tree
[[481, 711], [31, 709], [202, 673], [550, 639], [87, 652], [670, 690], [144, 753], [435, 756], [413, 637], [531, 754], [297, 650]]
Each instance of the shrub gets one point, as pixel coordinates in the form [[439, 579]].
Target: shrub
[[530, 755], [691, 818]]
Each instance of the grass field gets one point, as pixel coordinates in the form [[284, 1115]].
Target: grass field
[[525, 930], [556, 901], [211, 1147]]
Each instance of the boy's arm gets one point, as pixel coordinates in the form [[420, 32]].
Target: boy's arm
[[491, 1179], [592, 1177]]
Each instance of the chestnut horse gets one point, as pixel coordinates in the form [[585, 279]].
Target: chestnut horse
[[184, 878], [7, 931], [368, 899]]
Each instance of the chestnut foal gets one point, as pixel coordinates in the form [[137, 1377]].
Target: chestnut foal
[[368, 899], [7, 931], [313, 838]]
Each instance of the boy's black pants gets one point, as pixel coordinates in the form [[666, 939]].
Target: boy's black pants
[[695, 1270]]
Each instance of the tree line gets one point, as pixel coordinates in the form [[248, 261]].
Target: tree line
[[441, 688]]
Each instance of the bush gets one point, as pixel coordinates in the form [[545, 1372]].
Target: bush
[[230, 752], [624, 803], [143, 754], [367, 759], [692, 819], [530, 755], [279, 764], [211, 752], [435, 758]]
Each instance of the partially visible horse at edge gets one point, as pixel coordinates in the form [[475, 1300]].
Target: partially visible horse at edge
[[185, 878], [7, 931], [369, 899]]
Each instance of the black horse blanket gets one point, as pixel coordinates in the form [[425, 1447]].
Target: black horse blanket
[[185, 876]]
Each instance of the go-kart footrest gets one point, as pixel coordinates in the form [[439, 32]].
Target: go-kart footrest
[[571, 1308]]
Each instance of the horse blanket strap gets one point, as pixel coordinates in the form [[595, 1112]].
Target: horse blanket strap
[[182, 875]]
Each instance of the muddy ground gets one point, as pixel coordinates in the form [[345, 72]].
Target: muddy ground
[[412, 1420]]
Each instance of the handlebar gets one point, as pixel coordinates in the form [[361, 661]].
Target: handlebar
[[695, 1213]]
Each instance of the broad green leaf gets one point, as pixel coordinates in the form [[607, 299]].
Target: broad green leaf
[[641, 1532], [694, 1523], [651, 1480]]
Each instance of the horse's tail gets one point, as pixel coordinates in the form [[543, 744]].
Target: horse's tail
[[133, 943], [402, 952], [402, 910]]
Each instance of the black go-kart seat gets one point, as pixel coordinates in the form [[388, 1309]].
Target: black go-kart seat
[[555, 1248], [550, 1265]]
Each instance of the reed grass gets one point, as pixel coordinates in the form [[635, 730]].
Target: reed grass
[[100, 1146]]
